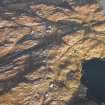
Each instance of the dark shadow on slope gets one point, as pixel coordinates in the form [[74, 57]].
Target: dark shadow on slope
[[93, 77], [85, 2], [15, 8]]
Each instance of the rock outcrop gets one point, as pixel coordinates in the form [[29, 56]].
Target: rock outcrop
[[41, 50]]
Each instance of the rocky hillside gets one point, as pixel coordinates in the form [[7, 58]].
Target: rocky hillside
[[42, 47]]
